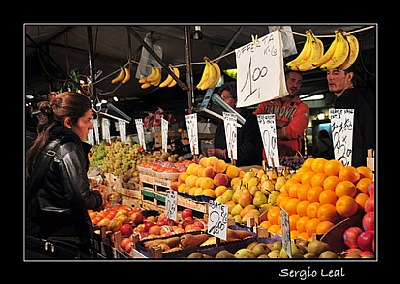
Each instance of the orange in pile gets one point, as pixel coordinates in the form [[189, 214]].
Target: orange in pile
[[319, 195]]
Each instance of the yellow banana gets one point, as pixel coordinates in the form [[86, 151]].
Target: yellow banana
[[157, 81], [303, 55], [340, 55], [145, 85], [143, 80], [177, 73], [120, 76], [218, 75], [153, 75], [353, 53], [127, 75], [317, 50], [168, 80], [329, 53], [211, 79], [205, 76]]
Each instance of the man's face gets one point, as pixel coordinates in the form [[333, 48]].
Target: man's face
[[336, 80], [293, 83]]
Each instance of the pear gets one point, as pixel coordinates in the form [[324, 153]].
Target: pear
[[280, 182], [267, 187], [253, 189], [238, 219], [252, 245], [260, 249], [264, 207], [317, 247], [274, 254], [310, 255], [195, 255], [352, 255], [259, 198], [224, 254], [272, 198], [236, 209], [245, 198], [244, 253], [276, 246], [283, 253], [328, 254], [247, 209], [264, 255]]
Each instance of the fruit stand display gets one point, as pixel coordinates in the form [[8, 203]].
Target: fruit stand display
[[330, 209]]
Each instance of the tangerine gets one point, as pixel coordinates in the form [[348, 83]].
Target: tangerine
[[346, 206], [330, 183], [318, 179], [303, 235], [324, 227], [365, 172], [313, 193], [293, 189], [312, 209], [273, 214], [293, 220], [363, 183], [274, 228], [318, 165], [311, 226], [328, 197], [361, 198], [345, 188], [349, 173], [284, 200], [281, 196], [289, 183], [301, 224], [301, 207], [302, 191], [327, 212], [291, 205], [307, 163], [332, 167], [265, 224], [294, 234], [299, 173], [306, 177]]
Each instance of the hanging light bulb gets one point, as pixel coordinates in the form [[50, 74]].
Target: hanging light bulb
[[198, 34]]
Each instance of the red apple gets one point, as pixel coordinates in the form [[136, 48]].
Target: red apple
[[198, 224], [128, 246], [370, 204], [371, 189], [126, 230], [353, 250], [148, 225], [365, 239], [350, 236], [137, 217], [368, 221], [162, 221], [186, 213]]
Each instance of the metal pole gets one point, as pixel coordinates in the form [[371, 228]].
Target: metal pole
[[91, 63], [189, 78]]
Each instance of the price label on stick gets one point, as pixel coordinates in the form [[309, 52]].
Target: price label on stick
[[171, 205], [230, 125], [140, 131], [191, 125], [286, 242], [267, 125], [164, 135], [217, 219], [122, 130], [105, 126], [96, 130], [342, 134]]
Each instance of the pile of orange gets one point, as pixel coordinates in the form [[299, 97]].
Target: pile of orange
[[319, 195]]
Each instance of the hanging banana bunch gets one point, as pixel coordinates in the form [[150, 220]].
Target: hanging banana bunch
[[123, 76], [210, 77], [170, 81], [153, 79]]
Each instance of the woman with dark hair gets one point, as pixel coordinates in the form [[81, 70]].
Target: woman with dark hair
[[58, 194]]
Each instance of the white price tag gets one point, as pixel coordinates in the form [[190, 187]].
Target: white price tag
[[230, 125], [286, 242], [217, 219], [171, 205], [140, 131], [191, 125], [342, 134], [164, 135], [267, 124]]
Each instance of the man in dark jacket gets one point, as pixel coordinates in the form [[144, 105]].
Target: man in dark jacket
[[349, 97], [249, 142]]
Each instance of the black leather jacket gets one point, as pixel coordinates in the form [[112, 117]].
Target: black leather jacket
[[58, 209]]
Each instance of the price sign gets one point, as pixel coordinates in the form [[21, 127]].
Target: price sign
[[164, 134], [96, 130], [122, 130], [105, 126], [267, 125], [217, 219], [230, 125], [191, 125], [286, 242], [140, 131], [342, 134], [171, 205], [90, 137], [260, 75]]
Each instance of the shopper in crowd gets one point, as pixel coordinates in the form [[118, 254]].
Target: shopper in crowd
[[249, 143], [58, 193], [348, 97], [291, 116], [30, 127], [323, 147]]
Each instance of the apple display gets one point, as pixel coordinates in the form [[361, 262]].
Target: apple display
[[350, 236]]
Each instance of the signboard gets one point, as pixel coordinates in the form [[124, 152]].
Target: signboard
[[342, 134], [96, 130], [217, 219], [122, 130], [105, 127], [260, 74], [140, 131], [164, 134], [230, 125], [267, 125], [286, 242], [191, 125], [171, 205]]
